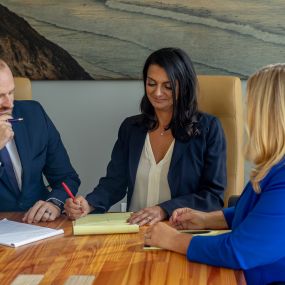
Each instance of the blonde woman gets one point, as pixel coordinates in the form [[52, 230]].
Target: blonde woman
[[256, 243]]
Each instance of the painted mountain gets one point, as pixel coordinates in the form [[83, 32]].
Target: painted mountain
[[111, 39], [31, 55]]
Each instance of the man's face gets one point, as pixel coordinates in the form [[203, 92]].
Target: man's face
[[7, 88]]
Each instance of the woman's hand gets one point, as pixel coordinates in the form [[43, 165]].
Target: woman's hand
[[78, 208], [187, 218], [164, 236], [150, 215]]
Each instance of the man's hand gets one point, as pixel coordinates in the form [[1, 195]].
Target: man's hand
[[78, 208], [150, 215], [6, 131], [42, 211]]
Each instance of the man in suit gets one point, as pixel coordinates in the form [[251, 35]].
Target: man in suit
[[30, 147]]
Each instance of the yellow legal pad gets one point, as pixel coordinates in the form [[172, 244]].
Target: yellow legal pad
[[109, 223]]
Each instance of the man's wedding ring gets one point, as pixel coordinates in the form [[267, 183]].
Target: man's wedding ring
[[48, 211]]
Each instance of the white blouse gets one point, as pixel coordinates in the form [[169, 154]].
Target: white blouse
[[151, 186]]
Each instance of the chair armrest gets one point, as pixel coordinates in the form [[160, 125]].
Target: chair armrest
[[233, 200]]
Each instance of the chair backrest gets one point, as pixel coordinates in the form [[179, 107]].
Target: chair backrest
[[221, 96], [23, 88]]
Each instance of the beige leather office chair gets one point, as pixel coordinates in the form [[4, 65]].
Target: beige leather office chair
[[222, 96], [23, 88]]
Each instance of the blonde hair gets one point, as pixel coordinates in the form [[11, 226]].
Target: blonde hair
[[266, 120]]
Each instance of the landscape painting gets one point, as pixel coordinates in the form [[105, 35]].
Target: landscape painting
[[103, 40]]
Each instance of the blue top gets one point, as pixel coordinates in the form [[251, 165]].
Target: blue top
[[257, 241]]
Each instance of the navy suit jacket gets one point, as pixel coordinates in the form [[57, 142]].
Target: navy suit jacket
[[41, 152], [197, 172]]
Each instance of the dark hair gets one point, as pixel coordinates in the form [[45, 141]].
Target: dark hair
[[179, 68]]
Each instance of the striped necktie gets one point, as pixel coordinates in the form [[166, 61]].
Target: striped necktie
[[9, 169]]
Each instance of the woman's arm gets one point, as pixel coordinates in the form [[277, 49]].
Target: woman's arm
[[257, 240], [186, 218], [113, 186]]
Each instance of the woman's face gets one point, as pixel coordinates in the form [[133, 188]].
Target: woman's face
[[158, 89]]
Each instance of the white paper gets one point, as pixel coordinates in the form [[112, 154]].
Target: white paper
[[15, 234]]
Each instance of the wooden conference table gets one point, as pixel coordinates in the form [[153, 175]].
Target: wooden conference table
[[112, 259]]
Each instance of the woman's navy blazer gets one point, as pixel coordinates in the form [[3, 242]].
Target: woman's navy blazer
[[197, 172]]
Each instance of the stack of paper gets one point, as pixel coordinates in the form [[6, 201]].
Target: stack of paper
[[15, 234], [109, 223]]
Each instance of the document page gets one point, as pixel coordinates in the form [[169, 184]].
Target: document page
[[15, 234], [109, 223]]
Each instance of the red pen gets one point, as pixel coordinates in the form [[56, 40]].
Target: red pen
[[67, 190]]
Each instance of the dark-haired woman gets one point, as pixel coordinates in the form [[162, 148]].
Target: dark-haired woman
[[168, 157]]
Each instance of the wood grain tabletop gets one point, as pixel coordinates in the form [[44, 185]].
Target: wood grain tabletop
[[110, 259]]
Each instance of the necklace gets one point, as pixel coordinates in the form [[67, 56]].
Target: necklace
[[163, 132]]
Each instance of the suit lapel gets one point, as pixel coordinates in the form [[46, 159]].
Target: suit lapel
[[137, 140], [178, 151], [22, 143]]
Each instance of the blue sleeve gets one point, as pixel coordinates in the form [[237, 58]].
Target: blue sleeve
[[57, 165], [258, 240], [229, 215], [113, 187]]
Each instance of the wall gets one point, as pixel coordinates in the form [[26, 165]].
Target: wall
[[88, 115]]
